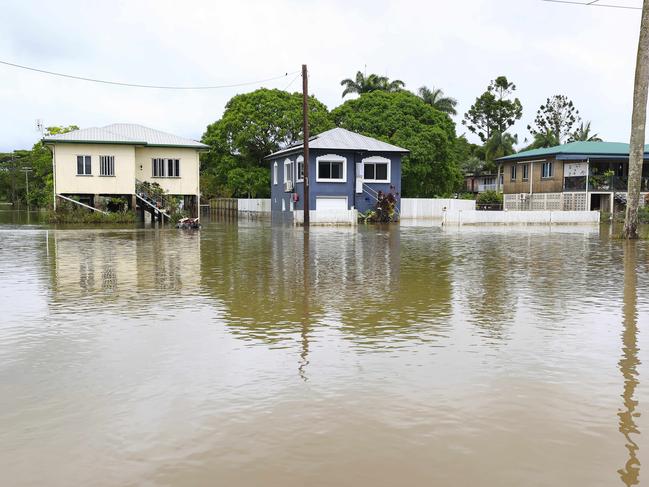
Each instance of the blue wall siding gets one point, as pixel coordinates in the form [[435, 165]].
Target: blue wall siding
[[362, 201]]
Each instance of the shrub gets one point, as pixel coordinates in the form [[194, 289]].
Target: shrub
[[489, 198]]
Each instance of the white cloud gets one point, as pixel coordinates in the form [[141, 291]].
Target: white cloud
[[585, 53]]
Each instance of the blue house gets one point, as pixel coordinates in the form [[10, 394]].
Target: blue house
[[346, 171]]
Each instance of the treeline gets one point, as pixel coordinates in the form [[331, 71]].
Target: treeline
[[258, 123], [255, 124]]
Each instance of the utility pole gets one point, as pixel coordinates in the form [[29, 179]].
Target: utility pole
[[638, 124], [305, 132]]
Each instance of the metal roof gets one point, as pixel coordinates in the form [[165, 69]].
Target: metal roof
[[586, 149], [342, 139], [124, 133]]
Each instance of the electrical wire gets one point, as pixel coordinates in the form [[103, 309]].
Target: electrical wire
[[594, 3], [292, 81], [135, 85]]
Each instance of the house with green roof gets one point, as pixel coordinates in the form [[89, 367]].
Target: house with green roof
[[577, 176]]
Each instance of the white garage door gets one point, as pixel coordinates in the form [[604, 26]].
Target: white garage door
[[331, 203]]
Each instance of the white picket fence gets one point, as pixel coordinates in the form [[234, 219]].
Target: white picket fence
[[432, 208]]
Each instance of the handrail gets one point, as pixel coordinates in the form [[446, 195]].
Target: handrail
[[367, 189], [160, 210], [81, 204]]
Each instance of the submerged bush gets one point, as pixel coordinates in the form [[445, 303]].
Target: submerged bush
[[87, 216]]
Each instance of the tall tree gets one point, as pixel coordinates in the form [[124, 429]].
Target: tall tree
[[252, 126], [638, 125], [495, 110], [404, 119], [373, 82], [557, 115], [435, 97], [582, 134], [542, 140]]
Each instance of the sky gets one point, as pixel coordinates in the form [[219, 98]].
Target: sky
[[585, 53]]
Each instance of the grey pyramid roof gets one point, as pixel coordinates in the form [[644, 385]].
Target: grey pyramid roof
[[343, 139], [125, 133]]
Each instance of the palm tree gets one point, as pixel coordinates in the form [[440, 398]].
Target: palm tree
[[582, 134], [435, 97], [372, 82], [542, 140]]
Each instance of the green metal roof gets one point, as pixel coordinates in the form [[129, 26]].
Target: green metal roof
[[619, 149]]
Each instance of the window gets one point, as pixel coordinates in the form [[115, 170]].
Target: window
[[331, 168], [275, 173], [490, 180], [546, 170], [173, 168], [288, 170], [158, 168], [376, 169], [300, 169], [84, 167], [513, 178], [166, 168], [106, 165], [525, 169]]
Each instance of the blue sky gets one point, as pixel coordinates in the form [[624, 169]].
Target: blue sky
[[585, 53]]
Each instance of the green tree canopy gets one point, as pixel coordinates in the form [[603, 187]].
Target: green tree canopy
[[542, 140], [435, 97], [373, 82], [557, 115], [254, 125], [494, 110], [404, 119], [38, 162]]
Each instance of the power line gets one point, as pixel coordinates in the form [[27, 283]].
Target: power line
[[135, 85], [292, 81], [594, 3]]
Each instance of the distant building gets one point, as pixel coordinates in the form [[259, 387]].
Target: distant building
[[479, 183], [108, 161], [346, 171], [573, 176]]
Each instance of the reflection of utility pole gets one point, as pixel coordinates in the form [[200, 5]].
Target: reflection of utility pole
[[628, 365], [26, 170]]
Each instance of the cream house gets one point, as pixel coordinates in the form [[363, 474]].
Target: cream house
[[108, 161]]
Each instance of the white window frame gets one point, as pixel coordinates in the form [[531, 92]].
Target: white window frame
[[299, 161], [165, 167], [176, 164], [288, 170], [525, 172], [550, 171], [514, 172], [84, 173], [331, 158], [275, 173], [373, 160]]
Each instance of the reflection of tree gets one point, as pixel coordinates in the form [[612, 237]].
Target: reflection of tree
[[628, 366], [397, 285], [485, 282]]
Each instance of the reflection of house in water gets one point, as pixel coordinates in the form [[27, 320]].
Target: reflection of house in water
[[134, 267]]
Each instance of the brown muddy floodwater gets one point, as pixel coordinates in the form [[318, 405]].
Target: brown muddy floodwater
[[244, 355]]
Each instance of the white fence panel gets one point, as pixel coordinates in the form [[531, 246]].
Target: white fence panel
[[473, 217], [428, 208], [254, 205], [327, 217]]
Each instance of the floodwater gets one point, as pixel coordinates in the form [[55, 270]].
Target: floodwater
[[251, 355]]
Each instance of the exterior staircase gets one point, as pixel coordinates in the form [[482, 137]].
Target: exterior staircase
[[155, 204]]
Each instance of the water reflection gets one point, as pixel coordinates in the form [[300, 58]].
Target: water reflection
[[628, 365]]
